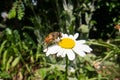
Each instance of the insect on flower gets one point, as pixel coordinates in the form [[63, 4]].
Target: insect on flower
[[117, 27], [68, 45], [52, 37]]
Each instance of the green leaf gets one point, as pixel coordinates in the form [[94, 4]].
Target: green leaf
[[12, 12], [8, 63], [90, 68], [43, 72], [15, 62], [2, 46], [20, 10], [4, 74], [82, 77], [15, 50], [83, 28], [24, 46], [4, 57]]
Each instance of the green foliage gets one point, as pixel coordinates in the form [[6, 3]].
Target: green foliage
[[12, 13], [15, 62], [21, 48], [14, 52], [17, 10]]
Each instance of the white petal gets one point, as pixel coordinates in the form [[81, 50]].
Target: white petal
[[65, 35], [45, 50], [82, 46], [71, 36], [70, 54], [85, 48], [76, 35], [62, 34], [52, 50], [64, 52], [60, 52], [79, 51], [80, 41], [82, 54]]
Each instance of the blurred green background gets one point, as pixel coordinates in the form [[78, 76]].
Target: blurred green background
[[25, 23]]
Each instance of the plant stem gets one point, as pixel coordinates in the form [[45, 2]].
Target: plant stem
[[108, 55], [66, 68]]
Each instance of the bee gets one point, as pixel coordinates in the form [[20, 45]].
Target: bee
[[117, 26], [52, 37]]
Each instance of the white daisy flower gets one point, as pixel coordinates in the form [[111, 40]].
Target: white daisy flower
[[68, 45]]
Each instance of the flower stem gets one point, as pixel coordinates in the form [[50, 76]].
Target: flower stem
[[66, 68]]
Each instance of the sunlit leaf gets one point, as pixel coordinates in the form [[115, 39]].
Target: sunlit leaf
[[8, 63], [15, 62], [5, 57], [2, 46]]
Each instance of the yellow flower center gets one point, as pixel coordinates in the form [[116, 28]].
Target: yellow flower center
[[67, 43]]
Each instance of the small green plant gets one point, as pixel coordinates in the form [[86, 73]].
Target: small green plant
[[17, 10]]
